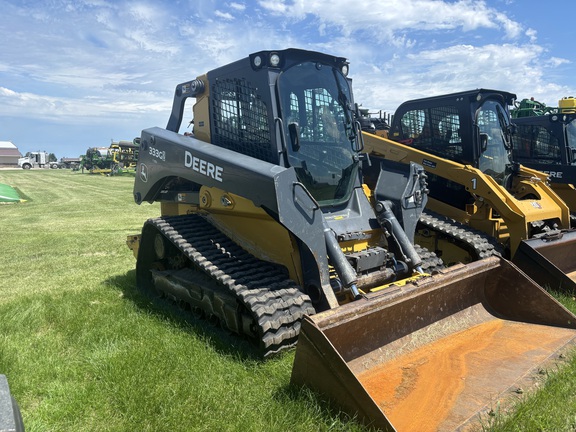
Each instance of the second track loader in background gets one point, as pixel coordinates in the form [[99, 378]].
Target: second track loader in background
[[480, 200], [545, 140], [271, 214]]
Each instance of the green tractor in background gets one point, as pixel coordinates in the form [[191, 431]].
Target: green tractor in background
[[121, 155]]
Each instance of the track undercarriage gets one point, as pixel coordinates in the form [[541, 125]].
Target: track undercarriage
[[188, 260]]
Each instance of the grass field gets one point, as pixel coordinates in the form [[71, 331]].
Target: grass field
[[84, 351]]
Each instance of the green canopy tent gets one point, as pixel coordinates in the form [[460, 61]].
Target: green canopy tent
[[8, 194]]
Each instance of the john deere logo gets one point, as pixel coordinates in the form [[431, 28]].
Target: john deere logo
[[203, 167], [143, 173]]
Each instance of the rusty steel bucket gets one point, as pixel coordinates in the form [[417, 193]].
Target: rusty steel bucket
[[437, 354], [550, 261]]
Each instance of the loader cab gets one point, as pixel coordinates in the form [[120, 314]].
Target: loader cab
[[471, 127], [319, 129], [545, 140], [292, 108]]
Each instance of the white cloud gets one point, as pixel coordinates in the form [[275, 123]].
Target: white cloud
[[149, 42], [511, 28], [224, 15], [518, 69], [144, 13], [391, 17], [555, 61], [238, 6], [274, 6], [74, 110], [531, 34]]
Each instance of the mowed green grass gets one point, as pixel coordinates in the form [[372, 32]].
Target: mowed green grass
[[84, 351]]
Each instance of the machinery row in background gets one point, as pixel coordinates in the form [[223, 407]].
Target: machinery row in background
[[119, 156]]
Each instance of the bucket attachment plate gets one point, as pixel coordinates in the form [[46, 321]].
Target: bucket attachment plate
[[550, 261], [435, 354]]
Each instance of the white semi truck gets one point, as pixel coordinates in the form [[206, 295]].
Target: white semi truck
[[36, 160]]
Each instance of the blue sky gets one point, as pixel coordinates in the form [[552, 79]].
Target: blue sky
[[80, 73]]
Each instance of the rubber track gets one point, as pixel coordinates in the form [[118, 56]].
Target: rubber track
[[482, 244], [275, 301], [430, 261]]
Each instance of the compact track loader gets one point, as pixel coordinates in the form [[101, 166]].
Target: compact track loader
[[481, 202], [271, 214], [545, 140]]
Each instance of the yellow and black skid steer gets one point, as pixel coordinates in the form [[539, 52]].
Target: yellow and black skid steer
[[481, 201], [272, 216]]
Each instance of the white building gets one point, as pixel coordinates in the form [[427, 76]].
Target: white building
[[9, 154]]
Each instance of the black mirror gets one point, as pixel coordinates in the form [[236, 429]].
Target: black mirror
[[294, 131], [483, 142], [510, 132], [358, 139]]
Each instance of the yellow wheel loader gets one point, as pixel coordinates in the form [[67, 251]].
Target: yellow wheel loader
[[481, 202], [272, 216]]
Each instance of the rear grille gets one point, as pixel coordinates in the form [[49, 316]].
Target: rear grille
[[240, 119]]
